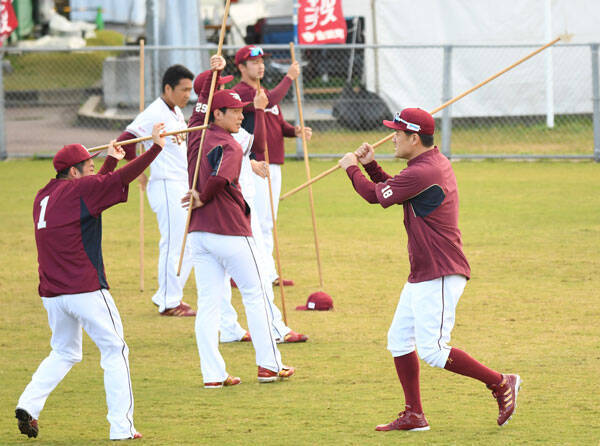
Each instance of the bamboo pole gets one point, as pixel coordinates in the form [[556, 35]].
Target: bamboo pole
[[441, 107], [213, 82], [307, 168], [275, 237], [141, 186]]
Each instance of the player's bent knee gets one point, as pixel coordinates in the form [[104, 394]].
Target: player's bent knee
[[434, 356], [69, 357]]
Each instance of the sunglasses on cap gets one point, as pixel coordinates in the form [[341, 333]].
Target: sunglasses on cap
[[409, 125], [256, 51]]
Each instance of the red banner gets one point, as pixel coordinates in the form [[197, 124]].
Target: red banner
[[8, 19], [321, 21]]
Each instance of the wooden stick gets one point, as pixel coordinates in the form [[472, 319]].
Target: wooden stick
[[146, 138], [275, 237], [141, 187], [441, 107], [307, 168], [213, 83]]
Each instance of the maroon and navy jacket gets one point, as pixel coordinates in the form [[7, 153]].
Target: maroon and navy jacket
[[68, 226], [276, 127], [428, 192], [225, 212]]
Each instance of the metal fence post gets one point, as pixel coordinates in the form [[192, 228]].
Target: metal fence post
[[596, 101], [446, 96], [3, 151], [299, 149]]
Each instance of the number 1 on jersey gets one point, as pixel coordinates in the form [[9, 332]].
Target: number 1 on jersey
[[42, 220]]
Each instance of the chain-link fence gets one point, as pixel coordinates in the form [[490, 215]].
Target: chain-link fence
[[545, 107]]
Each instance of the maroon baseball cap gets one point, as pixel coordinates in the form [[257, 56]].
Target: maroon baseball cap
[[318, 301], [248, 52], [227, 99], [70, 155], [413, 120]]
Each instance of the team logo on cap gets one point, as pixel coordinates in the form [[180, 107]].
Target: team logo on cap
[[236, 96]]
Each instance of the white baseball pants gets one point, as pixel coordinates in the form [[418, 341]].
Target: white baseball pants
[[97, 314], [263, 211], [212, 256], [424, 319], [164, 197], [230, 329]]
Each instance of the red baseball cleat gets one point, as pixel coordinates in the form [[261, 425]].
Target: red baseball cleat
[[233, 284], [136, 436], [406, 421], [229, 381], [506, 394], [27, 425], [181, 310], [292, 336], [286, 282], [246, 338], [268, 376]]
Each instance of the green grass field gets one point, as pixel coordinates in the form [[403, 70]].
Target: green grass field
[[531, 232]]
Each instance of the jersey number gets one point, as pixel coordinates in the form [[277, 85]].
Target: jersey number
[[387, 191], [201, 108], [41, 221]]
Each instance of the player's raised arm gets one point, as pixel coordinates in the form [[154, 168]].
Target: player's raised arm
[[132, 170]]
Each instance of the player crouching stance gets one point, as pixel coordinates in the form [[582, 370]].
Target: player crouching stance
[[439, 270], [221, 241], [68, 233]]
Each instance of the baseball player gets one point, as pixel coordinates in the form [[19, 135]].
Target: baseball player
[[249, 61], [168, 183], [439, 270], [68, 233], [230, 329], [221, 241]]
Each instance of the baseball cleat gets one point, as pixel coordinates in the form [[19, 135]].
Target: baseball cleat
[[406, 421], [246, 337], [286, 282], [269, 376], [292, 337], [136, 436], [229, 381], [181, 310], [27, 425], [506, 394]]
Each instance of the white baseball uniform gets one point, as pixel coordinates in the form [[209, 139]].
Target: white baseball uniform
[[222, 243], [263, 213], [74, 290], [167, 184], [230, 329]]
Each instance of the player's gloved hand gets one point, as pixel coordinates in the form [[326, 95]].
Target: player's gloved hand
[[260, 100], [307, 132], [115, 151], [195, 199], [217, 63], [294, 71], [259, 168], [365, 153], [156, 131], [348, 160]]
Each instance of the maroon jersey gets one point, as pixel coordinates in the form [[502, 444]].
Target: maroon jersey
[[276, 126], [227, 213], [68, 232], [428, 192]]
